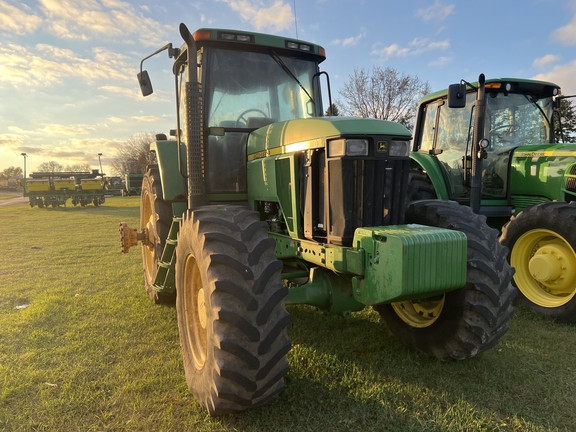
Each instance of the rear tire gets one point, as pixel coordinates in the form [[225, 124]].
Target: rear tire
[[230, 304], [156, 217], [542, 243], [467, 321], [419, 186]]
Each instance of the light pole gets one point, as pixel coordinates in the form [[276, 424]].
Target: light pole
[[24, 180], [100, 161]]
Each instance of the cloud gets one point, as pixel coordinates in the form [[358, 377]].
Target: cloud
[[348, 42], [441, 61], [10, 141], [566, 35], [436, 12], [146, 119], [545, 60], [562, 75], [46, 65], [58, 129], [85, 19], [276, 17], [416, 47], [17, 21], [129, 92]]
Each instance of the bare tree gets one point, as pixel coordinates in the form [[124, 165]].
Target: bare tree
[[11, 172], [51, 166], [383, 94], [134, 155]]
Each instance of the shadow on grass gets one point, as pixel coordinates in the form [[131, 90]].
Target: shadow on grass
[[349, 374]]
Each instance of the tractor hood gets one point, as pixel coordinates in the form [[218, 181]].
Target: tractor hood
[[301, 134]]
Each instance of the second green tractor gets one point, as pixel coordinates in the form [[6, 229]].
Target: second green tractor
[[524, 181]]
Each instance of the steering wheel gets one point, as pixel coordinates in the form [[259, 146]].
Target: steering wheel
[[242, 119], [509, 134], [512, 129]]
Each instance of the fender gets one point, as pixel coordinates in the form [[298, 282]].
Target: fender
[[173, 183], [430, 165]]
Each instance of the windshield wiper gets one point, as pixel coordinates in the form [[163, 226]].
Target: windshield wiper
[[534, 102], [285, 68]]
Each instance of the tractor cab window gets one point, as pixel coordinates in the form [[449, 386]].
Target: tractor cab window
[[447, 132], [248, 90], [517, 119], [512, 120]]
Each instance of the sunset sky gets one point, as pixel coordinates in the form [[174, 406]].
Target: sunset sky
[[68, 67]]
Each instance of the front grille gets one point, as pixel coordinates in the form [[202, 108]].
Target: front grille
[[364, 193]]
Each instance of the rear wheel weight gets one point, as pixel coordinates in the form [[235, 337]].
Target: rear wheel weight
[[231, 314], [467, 321], [156, 217], [542, 244]]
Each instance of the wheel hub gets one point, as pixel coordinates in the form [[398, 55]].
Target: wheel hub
[[545, 268], [552, 267], [419, 314]]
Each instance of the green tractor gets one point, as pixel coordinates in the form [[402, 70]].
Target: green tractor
[[261, 202], [132, 184], [491, 145]]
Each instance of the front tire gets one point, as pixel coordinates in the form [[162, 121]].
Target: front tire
[[156, 218], [542, 243], [230, 304], [465, 322]]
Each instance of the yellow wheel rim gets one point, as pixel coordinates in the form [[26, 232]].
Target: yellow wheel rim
[[195, 312], [148, 246], [545, 266], [421, 314]]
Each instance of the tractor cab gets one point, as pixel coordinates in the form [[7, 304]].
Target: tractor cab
[[247, 81], [245, 91], [518, 113]]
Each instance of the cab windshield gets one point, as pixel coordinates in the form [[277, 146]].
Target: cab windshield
[[517, 119], [245, 91], [512, 120], [248, 89]]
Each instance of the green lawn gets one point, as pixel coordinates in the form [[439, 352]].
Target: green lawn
[[83, 349]]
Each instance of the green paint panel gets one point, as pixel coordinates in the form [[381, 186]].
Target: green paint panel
[[540, 172], [442, 93], [173, 184], [301, 134], [259, 39], [409, 262], [430, 164]]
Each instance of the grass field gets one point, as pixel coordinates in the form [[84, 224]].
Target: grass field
[[83, 349]]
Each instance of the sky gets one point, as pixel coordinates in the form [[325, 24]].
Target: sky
[[68, 87]]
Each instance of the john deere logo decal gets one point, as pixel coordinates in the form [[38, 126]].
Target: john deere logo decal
[[382, 146]]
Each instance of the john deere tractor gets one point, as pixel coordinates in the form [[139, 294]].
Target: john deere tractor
[[259, 202], [524, 182]]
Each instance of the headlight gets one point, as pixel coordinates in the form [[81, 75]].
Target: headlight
[[399, 148], [348, 147]]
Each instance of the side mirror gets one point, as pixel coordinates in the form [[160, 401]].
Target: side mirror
[[457, 96], [145, 83]]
